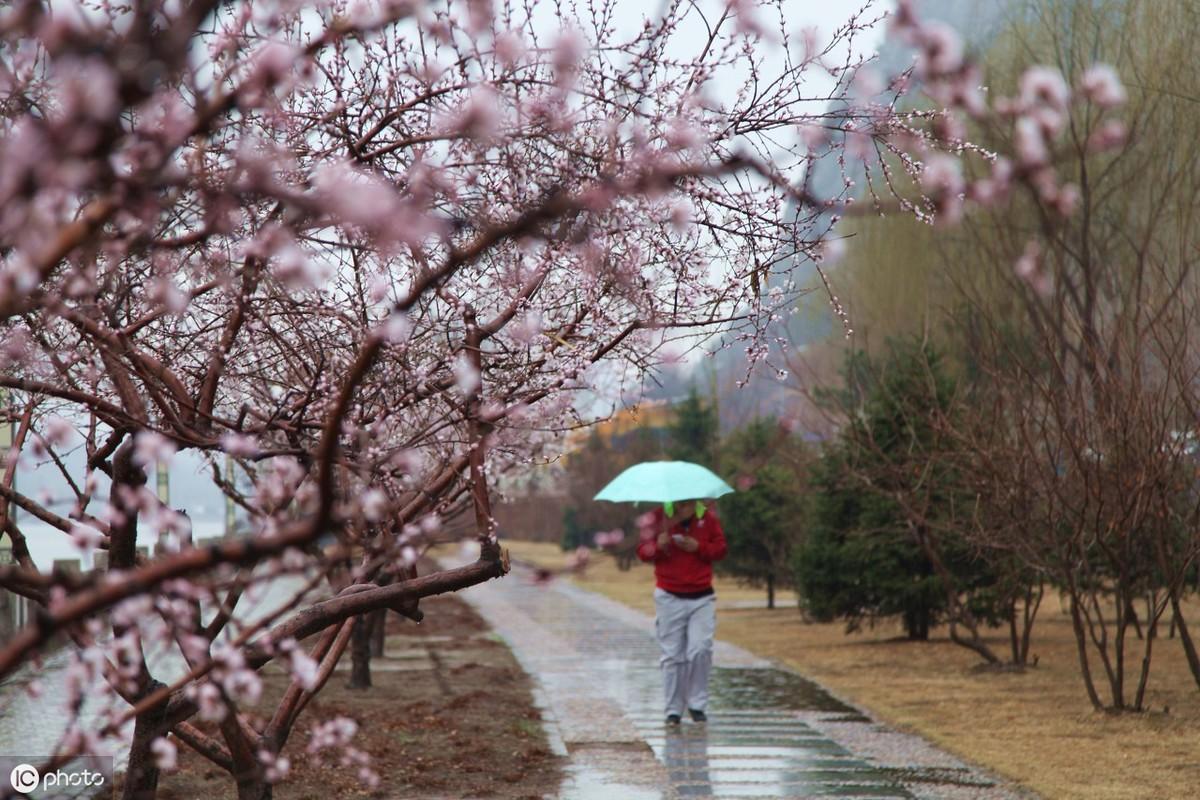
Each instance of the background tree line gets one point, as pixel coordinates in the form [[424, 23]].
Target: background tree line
[[1023, 415]]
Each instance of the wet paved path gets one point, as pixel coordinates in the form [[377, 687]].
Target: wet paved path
[[771, 732]]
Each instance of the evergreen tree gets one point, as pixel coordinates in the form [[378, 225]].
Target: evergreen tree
[[694, 431], [763, 520], [856, 561], [883, 501]]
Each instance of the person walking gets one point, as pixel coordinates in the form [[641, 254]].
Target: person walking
[[683, 543]]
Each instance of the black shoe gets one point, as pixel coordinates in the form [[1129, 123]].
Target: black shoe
[[673, 719], [698, 715]]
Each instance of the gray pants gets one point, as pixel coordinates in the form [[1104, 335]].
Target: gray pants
[[685, 634]]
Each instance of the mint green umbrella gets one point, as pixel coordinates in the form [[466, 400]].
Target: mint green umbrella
[[663, 482]]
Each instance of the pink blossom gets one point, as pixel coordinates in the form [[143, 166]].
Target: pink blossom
[[466, 375], [813, 136], [397, 328], [337, 732], [579, 559], [273, 61], [1108, 135], [58, 431], [609, 538], [368, 778], [243, 686], [682, 134], [942, 173], [745, 14], [86, 538], [1044, 86], [867, 83], [479, 117], [209, 701], [1101, 85], [150, 447], [942, 178], [510, 48], [949, 128], [1067, 200], [277, 766], [1029, 268], [239, 445], [165, 753], [303, 668], [374, 504], [528, 328], [1030, 141], [941, 49], [568, 52]]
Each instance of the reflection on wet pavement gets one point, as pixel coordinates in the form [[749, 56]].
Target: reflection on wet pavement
[[761, 753], [601, 686]]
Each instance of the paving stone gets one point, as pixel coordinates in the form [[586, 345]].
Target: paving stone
[[772, 733]]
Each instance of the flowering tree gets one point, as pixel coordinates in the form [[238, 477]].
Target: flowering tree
[[370, 252]]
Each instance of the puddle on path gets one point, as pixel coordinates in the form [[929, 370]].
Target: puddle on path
[[773, 689]]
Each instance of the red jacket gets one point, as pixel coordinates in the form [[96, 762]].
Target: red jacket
[[677, 570]]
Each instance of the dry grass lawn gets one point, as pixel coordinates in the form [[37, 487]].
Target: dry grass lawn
[[1036, 727]]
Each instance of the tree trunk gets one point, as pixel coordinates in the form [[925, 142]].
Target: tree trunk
[[1081, 644], [1013, 639], [255, 789], [957, 612], [360, 653], [770, 591], [916, 624], [1185, 637], [122, 550], [378, 621], [1033, 601], [1132, 615], [141, 775], [1152, 618], [378, 632]]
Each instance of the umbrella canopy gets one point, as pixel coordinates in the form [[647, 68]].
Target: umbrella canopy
[[663, 482]]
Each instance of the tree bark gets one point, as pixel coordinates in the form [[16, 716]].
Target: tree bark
[[1081, 644], [122, 549], [1013, 639], [916, 624], [360, 653], [1033, 601], [378, 632], [254, 789], [141, 775], [770, 591], [1185, 637]]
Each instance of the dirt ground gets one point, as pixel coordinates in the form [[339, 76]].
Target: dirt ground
[[453, 717], [1035, 727]]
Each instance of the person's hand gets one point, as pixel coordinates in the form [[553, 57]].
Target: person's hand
[[663, 541], [688, 543]]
